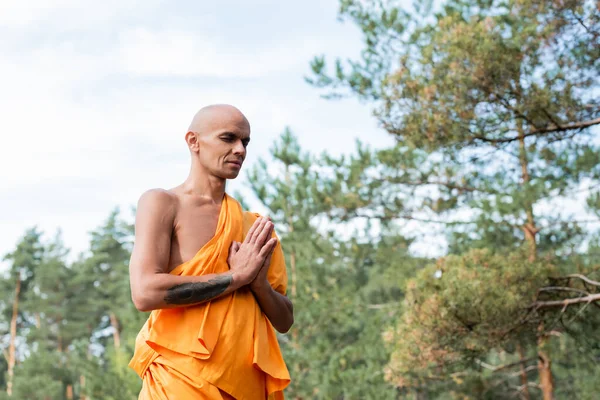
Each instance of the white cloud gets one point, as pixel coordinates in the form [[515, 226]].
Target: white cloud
[[151, 53], [96, 97], [63, 15]]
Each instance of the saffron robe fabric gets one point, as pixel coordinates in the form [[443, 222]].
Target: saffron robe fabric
[[226, 343]]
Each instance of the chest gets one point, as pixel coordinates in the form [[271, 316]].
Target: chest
[[195, 226]]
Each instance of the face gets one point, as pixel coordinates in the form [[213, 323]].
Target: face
[[221, 148]]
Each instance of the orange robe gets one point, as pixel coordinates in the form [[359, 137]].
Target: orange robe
[[227, 343]]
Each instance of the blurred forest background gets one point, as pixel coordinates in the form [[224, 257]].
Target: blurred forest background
[[495, 107]]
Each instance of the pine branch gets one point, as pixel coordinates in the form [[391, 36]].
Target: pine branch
[[562, 289], [594, 34], [449, 185], [583, 278], [497, 368], [566, 302], [521, 388], [387, 217], [528, 369], [383, 305], [548, 129], [578, 276]]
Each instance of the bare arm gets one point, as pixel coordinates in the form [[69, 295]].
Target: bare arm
[[152, 287], [277, 307]]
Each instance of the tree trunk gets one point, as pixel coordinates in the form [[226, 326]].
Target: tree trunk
[[70, 392], [530, 230], [546, 380], [114, 322], [82, 395], [524, 380], [529, 227], [13, 337], [544, 366]]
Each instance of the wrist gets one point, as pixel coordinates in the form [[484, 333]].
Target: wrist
[[259, 286], [238, 280]]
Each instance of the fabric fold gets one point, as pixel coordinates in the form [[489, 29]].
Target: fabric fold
[[228, 341]]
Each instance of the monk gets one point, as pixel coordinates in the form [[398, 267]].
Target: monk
[[213, 277]]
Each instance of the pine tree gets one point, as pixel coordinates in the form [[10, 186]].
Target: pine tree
[[344, 285], [103, 278], [48, 304], [491, 104], [24, 263]]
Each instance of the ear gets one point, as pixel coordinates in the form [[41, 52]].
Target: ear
[[191, 138]]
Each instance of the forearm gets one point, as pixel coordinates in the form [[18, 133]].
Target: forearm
[[163, 290], [277, 307]]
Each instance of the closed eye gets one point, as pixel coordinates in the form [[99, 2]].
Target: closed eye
[[232, 138]]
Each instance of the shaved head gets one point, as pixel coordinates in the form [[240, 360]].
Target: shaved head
[[217, 139], [212, 117]]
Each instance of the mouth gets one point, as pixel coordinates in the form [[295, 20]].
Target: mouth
[[237, 163]]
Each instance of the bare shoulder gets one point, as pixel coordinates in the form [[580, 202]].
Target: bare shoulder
[[157, 202], [153, 227]]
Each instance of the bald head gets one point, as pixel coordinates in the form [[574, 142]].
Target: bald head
[[217, 139], [216, 116]]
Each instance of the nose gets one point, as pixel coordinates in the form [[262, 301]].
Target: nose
[[239, 149]]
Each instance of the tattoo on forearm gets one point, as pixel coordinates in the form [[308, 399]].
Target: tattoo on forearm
[[196, 292]]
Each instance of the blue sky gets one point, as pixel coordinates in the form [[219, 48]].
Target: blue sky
[[96, 97]]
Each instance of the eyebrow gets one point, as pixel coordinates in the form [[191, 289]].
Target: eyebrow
[[228, 133]]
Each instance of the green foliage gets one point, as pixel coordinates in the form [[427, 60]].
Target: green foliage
[[466, 72], [344, 287], [493, 106], [459, 308], [64, 332], [38, 377]]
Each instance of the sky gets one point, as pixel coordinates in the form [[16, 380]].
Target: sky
[[96, 98]]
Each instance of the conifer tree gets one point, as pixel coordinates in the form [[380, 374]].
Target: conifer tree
[[343, 283], [492, 105], [24, 262]]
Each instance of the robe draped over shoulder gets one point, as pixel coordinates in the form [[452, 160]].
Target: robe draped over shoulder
[[226, 343]]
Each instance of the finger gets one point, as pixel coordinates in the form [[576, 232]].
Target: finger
[[265, 233], [260, 224], [237, 246], [272, 233], [267, 261], [259, 234], [272, 228], [266, 265], [268, 247], [254, 230], [275, 241], [251, 231]]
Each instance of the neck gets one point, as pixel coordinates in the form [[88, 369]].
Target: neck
[[201, 183]]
